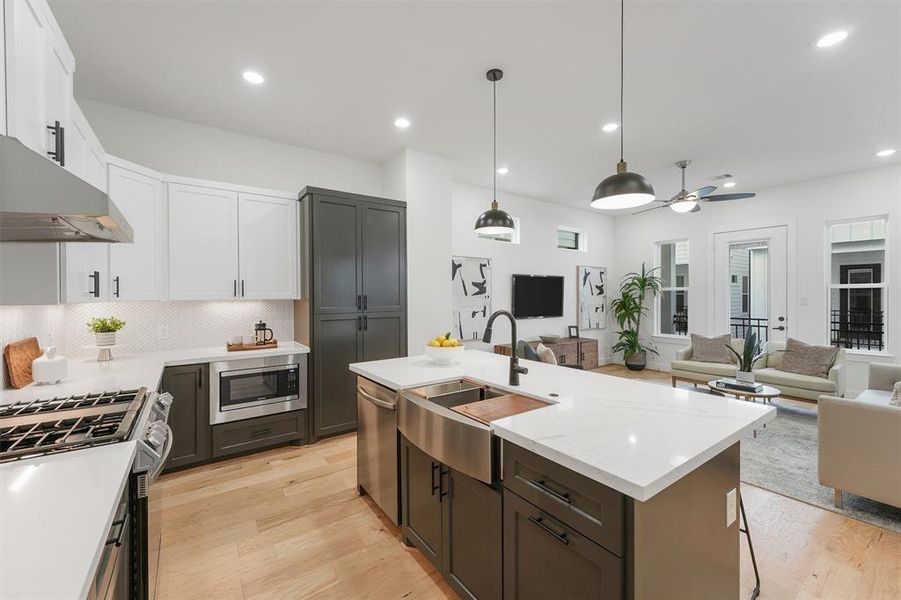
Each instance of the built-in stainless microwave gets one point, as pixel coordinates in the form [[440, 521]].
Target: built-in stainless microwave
[[253, 387]]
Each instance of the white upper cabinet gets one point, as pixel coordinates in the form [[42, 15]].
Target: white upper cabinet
[[138, 270], [203, 243], [39, 73], [268, 247], [85, 272], [84, 154]]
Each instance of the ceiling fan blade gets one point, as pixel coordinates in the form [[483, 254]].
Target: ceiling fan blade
[[721, 197], [704, 191], [650, 209], [697, 208]]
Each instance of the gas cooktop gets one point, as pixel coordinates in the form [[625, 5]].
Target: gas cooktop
[[59, 424]]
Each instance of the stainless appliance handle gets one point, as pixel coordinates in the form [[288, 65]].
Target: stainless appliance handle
[[375, 400], [165, 456], [251, 371]]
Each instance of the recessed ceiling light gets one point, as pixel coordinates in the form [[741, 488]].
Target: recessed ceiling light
[[729, 184], [253, 77], [402, 123], [832, 38], [610, 127], [502, 170], [885, 153]]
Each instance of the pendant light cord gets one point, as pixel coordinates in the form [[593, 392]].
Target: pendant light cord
[[622, 75], [494, 89]]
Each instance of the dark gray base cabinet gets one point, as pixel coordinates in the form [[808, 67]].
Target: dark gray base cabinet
[[455, 521], [258, 433], [189, 415]]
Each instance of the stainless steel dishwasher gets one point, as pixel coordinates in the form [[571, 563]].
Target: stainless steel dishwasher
[[377, 466]]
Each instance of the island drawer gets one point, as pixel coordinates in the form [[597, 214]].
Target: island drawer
[[593, 509]]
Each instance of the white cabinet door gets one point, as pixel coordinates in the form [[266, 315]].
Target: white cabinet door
[[268, 247], [85, 271], [137, 270], [203, 243], [84, 154]]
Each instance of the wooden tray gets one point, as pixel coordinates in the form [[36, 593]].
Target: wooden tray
[[18, 356], [242, 347], [493, 409]]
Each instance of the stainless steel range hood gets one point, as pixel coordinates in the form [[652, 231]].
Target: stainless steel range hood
[[42, 202]]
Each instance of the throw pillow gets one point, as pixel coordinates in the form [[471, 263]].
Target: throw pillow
[[705, 349], [545, 354], [805, 359], [896, 395]]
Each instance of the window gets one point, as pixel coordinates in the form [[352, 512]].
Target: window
[[510, 238], [571, 239], [857, 287], [672, 304]]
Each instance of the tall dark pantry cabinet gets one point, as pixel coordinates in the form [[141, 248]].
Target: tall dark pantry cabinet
[[354, 268]]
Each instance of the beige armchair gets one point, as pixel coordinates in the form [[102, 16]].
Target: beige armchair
[[859, 447], [793, 385]]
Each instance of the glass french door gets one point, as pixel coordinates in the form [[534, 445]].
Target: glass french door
[[750, 285]]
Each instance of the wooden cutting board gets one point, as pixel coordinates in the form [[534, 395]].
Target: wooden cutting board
[[493, 409], [18, 356]]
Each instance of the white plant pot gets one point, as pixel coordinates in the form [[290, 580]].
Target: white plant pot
[[746, 376], [105, 339]]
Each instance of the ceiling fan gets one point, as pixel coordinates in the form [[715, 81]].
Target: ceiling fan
[[685, 201]]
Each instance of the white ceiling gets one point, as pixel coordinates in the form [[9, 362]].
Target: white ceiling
[[736, 86]]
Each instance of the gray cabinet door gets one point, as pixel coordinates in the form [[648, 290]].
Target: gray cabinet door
[[335, 236], [421, 497], [472, 537], [384, 335], [189, 415], [544, 558], [384, 257], [337, 343]]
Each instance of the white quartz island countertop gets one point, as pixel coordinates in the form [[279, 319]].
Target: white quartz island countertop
[[633, 436], [129, 371], [55, 515]]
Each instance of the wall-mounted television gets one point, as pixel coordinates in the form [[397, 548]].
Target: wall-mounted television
[[537, 296]]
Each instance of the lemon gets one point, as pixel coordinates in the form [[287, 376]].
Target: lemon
[[454, 341], [434, 343], [448, 344]]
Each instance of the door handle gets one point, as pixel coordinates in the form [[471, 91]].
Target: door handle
[[365, 301], [59, 143], [441, 491], [359, 302], [560, 537], [235, 288], [779, 328], [242, 288], [365, 323], [95, 288], [376, 401], [434, 486], [359, 323], [116, 279]]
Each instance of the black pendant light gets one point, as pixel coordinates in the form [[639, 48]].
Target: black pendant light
[[494, 221], [624, 189]]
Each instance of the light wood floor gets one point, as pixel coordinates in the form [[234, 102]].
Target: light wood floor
[[287, 524]]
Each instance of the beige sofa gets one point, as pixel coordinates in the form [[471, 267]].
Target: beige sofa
[[683, 368], [859, 448], [793, 385]]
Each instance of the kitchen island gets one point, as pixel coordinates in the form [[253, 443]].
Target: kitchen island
[[627, 486]]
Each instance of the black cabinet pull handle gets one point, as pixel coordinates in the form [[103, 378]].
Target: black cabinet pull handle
[[59, 143], [435, 487], [242, 288], [441, 491], [200, 378], [359, 323], [116, 279], [95, 287], [541, 486], [560, 537], [235, 288], [365, 302], [358, 302], [365, 322], [261, 432]]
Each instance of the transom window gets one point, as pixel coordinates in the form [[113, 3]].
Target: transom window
[[672, 304], [571, 239], [857, 285]]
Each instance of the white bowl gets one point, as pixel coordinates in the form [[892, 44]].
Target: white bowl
[[549, 338], [444, 356]]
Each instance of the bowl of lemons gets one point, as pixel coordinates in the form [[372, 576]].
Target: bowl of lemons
[[444, 350]]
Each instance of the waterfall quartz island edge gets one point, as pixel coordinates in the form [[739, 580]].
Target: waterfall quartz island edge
[[629, 487]]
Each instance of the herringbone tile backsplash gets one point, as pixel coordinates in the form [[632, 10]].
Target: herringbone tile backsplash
[[149, 326]]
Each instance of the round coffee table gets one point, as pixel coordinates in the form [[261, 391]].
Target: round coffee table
[[768, 392]]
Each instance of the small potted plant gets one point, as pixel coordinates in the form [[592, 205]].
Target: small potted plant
[[749, 356], [105, 330]]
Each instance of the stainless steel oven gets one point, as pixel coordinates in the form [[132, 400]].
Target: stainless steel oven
[[253, 387]]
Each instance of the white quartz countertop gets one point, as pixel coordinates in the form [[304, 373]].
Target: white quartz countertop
[[634, 436], [55, 514], [128, 371]]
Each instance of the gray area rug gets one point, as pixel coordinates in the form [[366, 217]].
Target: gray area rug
[[783, 459]]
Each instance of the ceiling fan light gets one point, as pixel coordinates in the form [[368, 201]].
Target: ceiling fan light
[[494, 221], [684, 206], [622, 190]]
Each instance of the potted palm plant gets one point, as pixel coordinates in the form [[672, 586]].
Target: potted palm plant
[[628, 310], [750, 354], [105, 329]]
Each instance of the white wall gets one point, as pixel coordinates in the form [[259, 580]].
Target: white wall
[[191, 150], [809, 206], [537, 253]]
